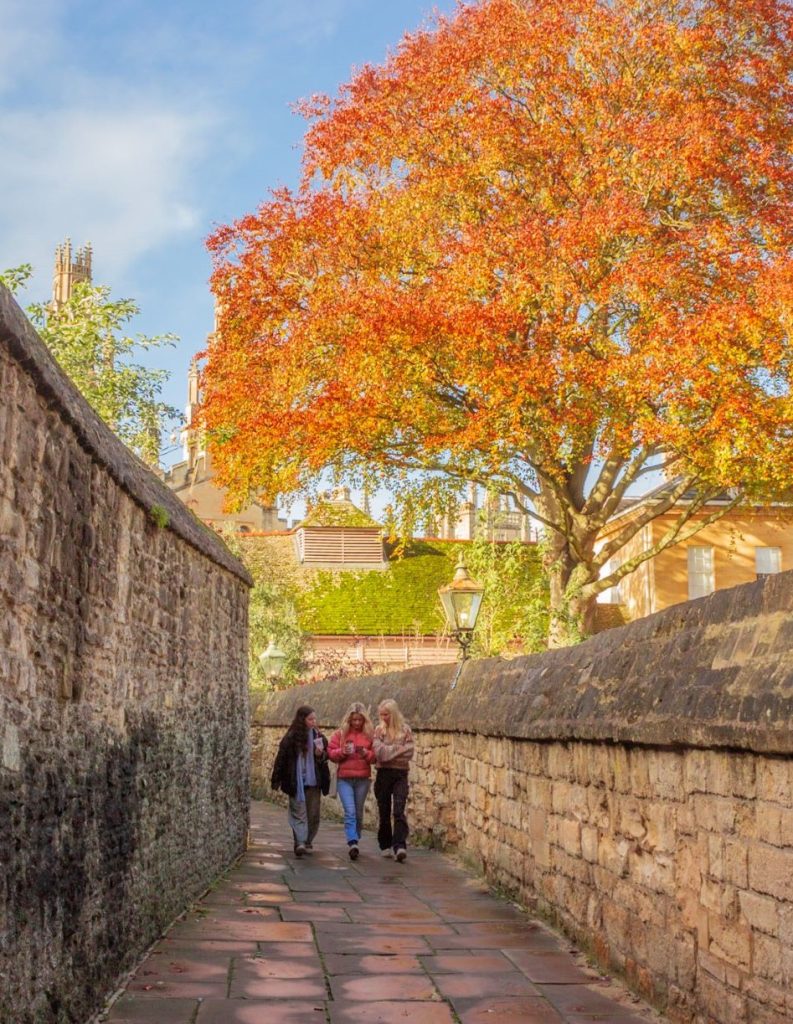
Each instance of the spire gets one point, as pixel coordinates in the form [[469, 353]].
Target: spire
[[69, 271], [191, 435]]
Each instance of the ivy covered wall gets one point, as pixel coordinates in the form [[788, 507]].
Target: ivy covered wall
[[401, 600]]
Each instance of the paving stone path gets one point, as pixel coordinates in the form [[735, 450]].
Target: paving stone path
[[322, 939]]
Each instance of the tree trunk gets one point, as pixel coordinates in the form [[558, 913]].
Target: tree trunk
[[572, 609]]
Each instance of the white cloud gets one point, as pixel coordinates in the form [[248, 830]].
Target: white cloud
[[118, 178]]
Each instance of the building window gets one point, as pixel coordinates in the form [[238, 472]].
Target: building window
[[700, 572], [767, 561], [613, 595]]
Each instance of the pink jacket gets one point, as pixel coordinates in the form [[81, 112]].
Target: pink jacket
[[356, 765]]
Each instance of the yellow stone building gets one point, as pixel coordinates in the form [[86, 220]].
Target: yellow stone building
[[747, 542]]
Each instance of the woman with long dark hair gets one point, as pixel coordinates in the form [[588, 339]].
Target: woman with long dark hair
[[301, 771]]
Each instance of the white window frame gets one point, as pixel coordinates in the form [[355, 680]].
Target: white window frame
[[767, 561], [701, 577], [614, 593]]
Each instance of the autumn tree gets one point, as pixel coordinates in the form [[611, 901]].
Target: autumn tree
[[88, 337], [545, 247]]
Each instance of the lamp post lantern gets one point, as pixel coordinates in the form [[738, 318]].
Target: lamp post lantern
[[273, 661], [461, 600]]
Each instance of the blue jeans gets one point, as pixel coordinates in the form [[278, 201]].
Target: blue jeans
[[352, 793]]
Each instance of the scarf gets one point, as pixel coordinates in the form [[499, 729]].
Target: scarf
[[306, 768]]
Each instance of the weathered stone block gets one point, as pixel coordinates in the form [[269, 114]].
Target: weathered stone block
[[665, 774], [589, 844], [660, 822], [561, 797], [730, 941], [775, 781], [759, 912], [720, 899], [728, 860], [560, 761], [569, 836], [652, 871], [613, 855], [715, 814], [768, 960], [12, 758], [771, 871], [630, 819], [723, 1004]]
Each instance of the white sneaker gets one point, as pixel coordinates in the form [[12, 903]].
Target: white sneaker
[[388, 853], [402, 855]]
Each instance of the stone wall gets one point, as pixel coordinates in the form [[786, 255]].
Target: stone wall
[[636, 789], [124, 733]]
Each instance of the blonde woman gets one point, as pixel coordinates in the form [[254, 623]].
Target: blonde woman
[[351, 749], [393, 748]]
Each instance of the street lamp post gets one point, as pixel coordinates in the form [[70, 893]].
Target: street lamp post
[[461, 600], [273, 662]]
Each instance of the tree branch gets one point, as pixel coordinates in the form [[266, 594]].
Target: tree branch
[[676, 534]]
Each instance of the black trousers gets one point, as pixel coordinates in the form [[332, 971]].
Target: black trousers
[[391, 793]]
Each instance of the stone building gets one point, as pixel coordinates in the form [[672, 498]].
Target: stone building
[[497, 515], [70, 269], [746, 543], [193, 479]]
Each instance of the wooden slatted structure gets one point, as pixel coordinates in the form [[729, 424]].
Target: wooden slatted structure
[[349, 546]]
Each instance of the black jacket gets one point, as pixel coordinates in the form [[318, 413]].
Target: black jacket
[[284, 775]]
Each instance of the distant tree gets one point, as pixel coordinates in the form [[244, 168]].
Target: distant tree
[[546, 247], [87, 336]]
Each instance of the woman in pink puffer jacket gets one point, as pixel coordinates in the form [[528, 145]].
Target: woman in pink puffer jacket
[[351, 749]]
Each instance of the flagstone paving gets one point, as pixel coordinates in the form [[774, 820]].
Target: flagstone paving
[[327, 940]]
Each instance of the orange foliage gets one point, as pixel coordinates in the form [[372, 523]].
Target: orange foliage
[[544, 244]]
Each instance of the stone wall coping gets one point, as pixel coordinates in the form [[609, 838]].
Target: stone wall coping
[[712, 673], [129, 472]]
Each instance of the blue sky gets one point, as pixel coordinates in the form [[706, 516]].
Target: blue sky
[[138, 126]]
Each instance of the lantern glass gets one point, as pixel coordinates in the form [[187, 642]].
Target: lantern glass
[[273, 661], [466, 609], [461, 600]]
